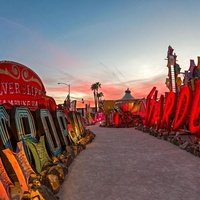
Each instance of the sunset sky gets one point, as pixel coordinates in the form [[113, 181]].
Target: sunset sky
[[120, 44]]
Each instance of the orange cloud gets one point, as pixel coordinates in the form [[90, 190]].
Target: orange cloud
[[139, 89]]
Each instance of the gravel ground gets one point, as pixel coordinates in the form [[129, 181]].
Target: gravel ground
[[126, 164]]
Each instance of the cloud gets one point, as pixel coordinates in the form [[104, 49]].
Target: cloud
[[140, 88], [55, 63], [31, 47]]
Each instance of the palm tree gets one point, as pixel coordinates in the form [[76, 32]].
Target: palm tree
[[99, 100], [99, 95], [98, 86], [95, 88]]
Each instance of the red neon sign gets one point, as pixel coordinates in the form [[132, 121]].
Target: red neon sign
[[173, 116], [194, 123], [148, 106], [152, 111], [182, 107], [20, 86], [116, 118], [158, 112], [168, 110]]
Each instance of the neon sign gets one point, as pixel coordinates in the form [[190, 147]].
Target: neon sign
[[182, 107], [194, 124], [168, 110], [176, 111], [20, 86]]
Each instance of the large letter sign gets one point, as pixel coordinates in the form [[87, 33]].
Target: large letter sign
[[168, 110], [182, 108], [158, 112], [194, 124], [148, 106]]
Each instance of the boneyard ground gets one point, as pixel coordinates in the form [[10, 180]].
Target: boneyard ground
[[126, 164]]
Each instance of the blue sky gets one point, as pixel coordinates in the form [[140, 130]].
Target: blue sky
[[117, 43]]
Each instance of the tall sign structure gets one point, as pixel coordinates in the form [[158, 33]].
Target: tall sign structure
[[173, 81]]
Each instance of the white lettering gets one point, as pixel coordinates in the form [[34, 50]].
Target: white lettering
[[10, 102], [4, 88], [19, 102], [10, 88], [28, 90], [17, 91], [28, 103]]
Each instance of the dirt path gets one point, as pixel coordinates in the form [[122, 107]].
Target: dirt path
[[126, 164]]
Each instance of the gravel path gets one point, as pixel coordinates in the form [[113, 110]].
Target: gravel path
[[126, 164]]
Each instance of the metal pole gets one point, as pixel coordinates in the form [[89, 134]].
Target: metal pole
[[68, 96]]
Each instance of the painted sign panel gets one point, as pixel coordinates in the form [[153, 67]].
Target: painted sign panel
[[20, 86]]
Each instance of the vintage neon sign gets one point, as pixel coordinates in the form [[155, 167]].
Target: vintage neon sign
[[17, 168], [4, 194], [4, 124], [60, 120], [73, 121], [5, 182], [80, 123], [116, 119], [47, 127], [152, 110], [157, 113], [39, 152], [148, 106], [168, 110], [22, 121], [178, 110], [194, 124], [16, 88], [20, 86], [182, 108]]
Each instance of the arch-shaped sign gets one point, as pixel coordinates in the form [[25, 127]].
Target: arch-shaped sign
[[19, 85]]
